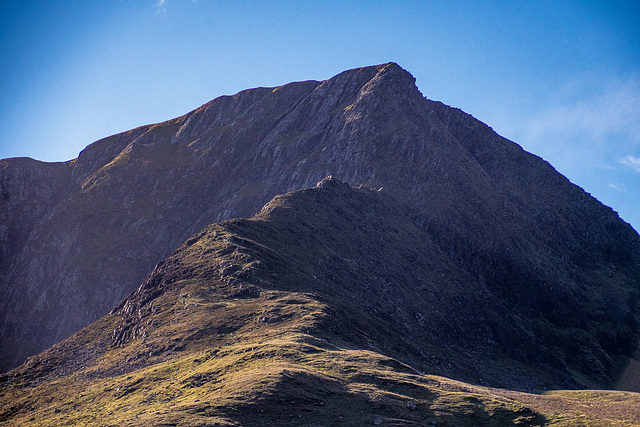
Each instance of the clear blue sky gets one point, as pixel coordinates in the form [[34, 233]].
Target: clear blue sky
[[561, 78]]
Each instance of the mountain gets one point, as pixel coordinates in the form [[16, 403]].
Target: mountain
[[322, 309], [550, 262]]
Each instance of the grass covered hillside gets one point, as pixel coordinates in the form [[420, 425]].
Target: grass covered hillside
[[331, 306]]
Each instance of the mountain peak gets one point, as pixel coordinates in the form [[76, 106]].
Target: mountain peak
[[387, 70], [389, 77], [496, 212], [393, 71]]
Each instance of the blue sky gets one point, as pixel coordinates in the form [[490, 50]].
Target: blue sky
[[560, 78]]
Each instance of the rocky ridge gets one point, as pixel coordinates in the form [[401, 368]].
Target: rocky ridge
[[324, 308]]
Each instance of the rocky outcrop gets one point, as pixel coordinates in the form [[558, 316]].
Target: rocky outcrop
[[109, 216]]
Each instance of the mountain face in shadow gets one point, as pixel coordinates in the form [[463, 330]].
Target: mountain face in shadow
[[331, 306], [538, 270]]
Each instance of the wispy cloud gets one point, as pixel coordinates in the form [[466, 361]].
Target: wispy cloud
[[618, 187], [160, 6], [612, 112], [632, 162]]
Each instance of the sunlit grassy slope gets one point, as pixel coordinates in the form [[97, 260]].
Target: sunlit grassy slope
[[277, 321]]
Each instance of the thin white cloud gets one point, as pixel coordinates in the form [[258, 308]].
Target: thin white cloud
[[613, 112], [160, 6], [618, 187], [632, 162]]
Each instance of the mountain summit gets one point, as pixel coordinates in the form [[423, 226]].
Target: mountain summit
[[537, 269]]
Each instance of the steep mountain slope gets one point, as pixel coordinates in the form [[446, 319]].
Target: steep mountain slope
[[502, 215], [307, 314], [29, 190]]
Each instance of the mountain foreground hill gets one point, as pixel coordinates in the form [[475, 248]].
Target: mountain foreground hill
[[325, 308], [77, 237]]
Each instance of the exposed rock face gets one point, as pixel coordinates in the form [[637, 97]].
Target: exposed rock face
[[29, 191], [100, 222]]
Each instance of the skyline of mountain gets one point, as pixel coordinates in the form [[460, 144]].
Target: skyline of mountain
[[560, 79]]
